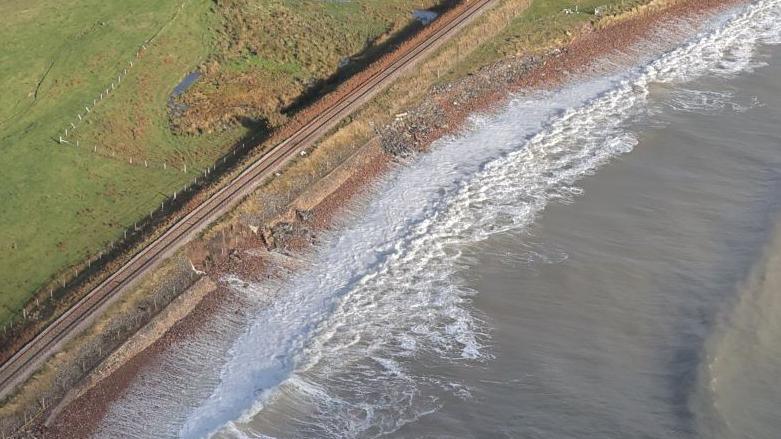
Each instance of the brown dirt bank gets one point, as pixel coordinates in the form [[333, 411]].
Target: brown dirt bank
[[230, 247]]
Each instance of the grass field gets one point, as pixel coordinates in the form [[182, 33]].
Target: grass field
[[313, 38], [61, 204]]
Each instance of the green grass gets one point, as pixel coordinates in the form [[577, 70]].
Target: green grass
[[60, 204], [542, 26], [251, 62], [279, 48]]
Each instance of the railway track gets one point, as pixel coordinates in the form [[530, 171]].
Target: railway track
[[19, 367]]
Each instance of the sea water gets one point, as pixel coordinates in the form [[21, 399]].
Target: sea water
[[600, 260]]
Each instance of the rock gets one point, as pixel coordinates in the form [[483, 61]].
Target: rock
[[304, 215], [268, 239]]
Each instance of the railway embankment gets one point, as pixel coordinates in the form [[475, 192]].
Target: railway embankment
[[269, 233]]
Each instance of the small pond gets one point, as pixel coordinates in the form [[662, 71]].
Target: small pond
[[424, 16]]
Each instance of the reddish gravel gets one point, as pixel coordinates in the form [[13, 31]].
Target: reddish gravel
[[490, 88], [83, 415]]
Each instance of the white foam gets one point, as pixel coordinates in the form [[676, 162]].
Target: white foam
[[331, 349]]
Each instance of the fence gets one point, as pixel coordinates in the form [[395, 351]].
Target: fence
[[41, 306], [63, 138]]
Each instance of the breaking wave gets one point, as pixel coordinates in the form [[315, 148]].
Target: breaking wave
[[328, 356]]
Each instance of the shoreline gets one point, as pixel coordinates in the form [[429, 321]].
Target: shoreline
[[345, 184]]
